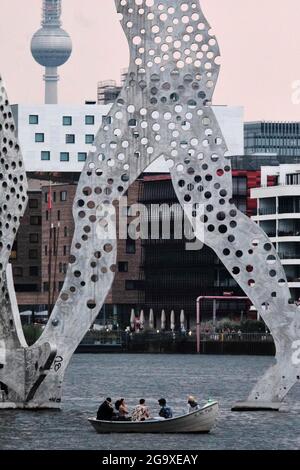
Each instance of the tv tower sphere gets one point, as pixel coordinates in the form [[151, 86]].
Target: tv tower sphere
[[51, 47]]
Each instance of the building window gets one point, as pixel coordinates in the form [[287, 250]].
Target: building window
[[82, 156], [17, 271], [35, 220], [130, 285], [33, 238], [33, 203], [70, 139], [89, 138], [63, 196], [134, 285], [66, 231], [33, 254], [65, 250], [58, 215], [130, 246], [46, 250], [63, 268], [33, 271], [67, 120], [64, 156], [27, 287], [123, 267], [46, 287], [33, 119], [47, 215], [39, 137], [90, 120], [239, 186], [45, 156]]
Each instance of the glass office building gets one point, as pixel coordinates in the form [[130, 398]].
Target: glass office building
[[281, 138]]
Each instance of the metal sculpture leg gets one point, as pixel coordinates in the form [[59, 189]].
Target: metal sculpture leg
[[16, 381], [125, 146], [164, 109]]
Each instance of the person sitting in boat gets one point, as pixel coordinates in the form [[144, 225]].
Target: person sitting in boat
[[192, 404], [122, 409], [106, 411], [165, 411], [140, 412]]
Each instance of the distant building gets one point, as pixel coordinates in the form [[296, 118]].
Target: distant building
[[279, 216], [55, 141], [158, 274], [57, 137], [280, 138], [107, 92], [41, 253], [26, 255], [175, 277]]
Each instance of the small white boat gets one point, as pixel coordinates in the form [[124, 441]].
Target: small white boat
[[200, 421]]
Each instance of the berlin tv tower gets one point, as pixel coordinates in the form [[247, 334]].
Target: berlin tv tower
[[51, 47]]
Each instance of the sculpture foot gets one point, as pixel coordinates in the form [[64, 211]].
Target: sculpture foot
[[256, 406], [21, 376], [278, 380]]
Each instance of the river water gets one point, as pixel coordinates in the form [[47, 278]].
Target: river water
[[92, 377]]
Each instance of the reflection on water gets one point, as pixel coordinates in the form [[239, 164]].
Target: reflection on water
[[93, 377]]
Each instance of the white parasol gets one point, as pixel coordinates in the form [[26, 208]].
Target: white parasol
[[163, 320], [151, 319], [172, 320]]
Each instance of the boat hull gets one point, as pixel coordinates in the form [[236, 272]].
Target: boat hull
[[201, 421]]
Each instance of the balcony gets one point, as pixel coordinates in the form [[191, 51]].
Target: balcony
[[289, 205], [288, 233], [269, 227], [288, 256], [267, 206], [267, 211], [289, 228]]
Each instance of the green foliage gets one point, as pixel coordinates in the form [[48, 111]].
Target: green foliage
[[32, 333], [247, 326], [253, 326]]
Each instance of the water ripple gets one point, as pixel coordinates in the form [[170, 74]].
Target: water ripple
[[93, 377]]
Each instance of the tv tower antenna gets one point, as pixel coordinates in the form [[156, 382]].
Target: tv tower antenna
[[51, 47]]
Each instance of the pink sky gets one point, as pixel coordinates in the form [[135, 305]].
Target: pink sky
[[259, 40]]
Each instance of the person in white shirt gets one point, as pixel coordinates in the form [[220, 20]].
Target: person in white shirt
[[192, 404], [140, 412]]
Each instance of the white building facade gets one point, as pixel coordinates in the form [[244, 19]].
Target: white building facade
[[58, 138], [278, 215]]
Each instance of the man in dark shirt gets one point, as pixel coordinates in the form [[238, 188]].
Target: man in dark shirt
[[105, 411], [165, 411]]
